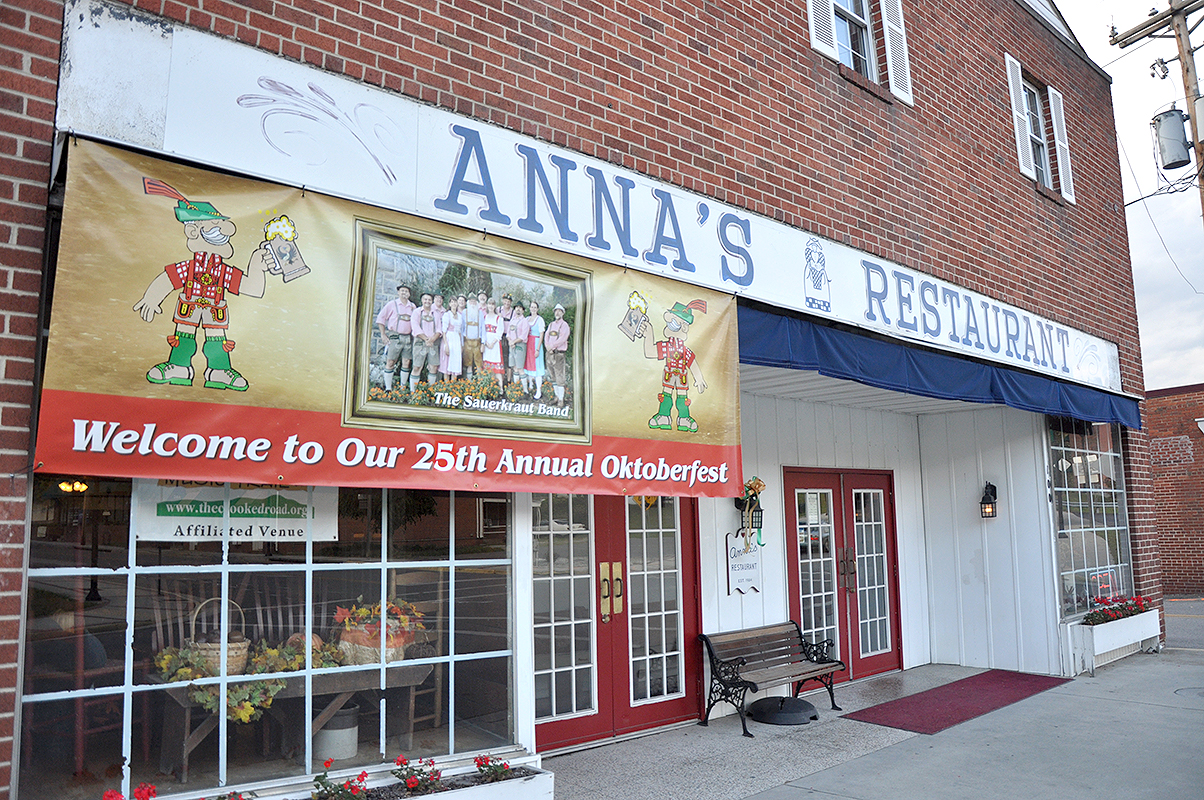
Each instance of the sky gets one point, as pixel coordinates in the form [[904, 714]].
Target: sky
[[1166, 233]]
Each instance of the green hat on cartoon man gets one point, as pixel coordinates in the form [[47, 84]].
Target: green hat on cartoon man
[[186, 210], [197, 211], [686, 312]]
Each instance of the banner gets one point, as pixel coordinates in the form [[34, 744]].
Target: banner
[[208, 327], [190, 511]]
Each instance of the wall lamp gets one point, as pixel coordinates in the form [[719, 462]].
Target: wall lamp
[[989, 504]]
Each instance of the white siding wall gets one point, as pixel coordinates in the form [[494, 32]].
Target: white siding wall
[[972, 591], [779, 432], [992, 601]]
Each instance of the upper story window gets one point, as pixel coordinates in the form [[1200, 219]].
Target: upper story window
[[848, 31], [853, 41], [1036, 133], [1039, 120]]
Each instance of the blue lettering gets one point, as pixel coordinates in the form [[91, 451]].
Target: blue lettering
[[971, 326], [873, 295], [1064, 339], [948, 294], [1011, 327], [1030, 344], [559, 207], [602, 199], [930, 309], [666, 216], [907, 320], [992, 344], [726, 221], [1046, 331], [471, 149]]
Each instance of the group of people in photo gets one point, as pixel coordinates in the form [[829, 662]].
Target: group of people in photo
[[464, 337]]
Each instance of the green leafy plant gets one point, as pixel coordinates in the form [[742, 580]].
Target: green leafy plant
[[326, 789], [419, 777], [245, 700], [1118, 608], [492, 769]]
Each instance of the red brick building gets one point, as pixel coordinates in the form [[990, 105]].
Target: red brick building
[[922, 200], [1174, 418]]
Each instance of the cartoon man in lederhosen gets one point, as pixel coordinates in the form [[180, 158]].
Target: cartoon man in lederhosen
[[680, 365], [203, 282]]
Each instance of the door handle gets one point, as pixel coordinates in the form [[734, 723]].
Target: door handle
[[617, 573], [604, 585]]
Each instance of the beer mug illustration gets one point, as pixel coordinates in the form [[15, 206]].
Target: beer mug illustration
[[281, 235], [637, 314]]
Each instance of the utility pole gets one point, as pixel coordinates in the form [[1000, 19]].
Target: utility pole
[[1174, 20]]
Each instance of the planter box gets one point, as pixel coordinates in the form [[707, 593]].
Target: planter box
[[532, 787], [1096, 645]]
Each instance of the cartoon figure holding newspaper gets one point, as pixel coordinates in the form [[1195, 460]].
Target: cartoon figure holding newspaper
[[680, 365], [203, 282]]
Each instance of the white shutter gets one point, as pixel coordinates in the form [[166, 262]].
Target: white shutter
[[821, 16], [1024, 148], [1061, 144], [898, 66]]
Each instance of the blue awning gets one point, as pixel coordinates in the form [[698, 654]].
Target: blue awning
[[774, 340]]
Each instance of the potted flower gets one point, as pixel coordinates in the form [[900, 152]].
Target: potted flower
[[1118, 627], [362, 626]]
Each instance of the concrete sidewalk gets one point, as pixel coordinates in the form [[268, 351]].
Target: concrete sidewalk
[[1133, 731]]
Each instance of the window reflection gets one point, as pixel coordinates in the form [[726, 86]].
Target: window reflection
[[239, 612]]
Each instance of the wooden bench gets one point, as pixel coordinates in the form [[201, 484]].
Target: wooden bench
[[761, 658]]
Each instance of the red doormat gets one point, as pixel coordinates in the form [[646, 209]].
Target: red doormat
[[954, 703]]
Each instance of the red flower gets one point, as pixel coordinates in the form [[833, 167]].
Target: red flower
[[400, 761], [327, 763], [411, 782], [363, 776], [341, 614], [113, 794], [145, 791]]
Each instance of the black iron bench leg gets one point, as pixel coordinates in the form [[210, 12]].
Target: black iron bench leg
[[827, 682], [743, 720]]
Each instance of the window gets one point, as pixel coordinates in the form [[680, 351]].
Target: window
[[1092, 530], [1037, 113], [853, 36], [1036, 133], [844, 30], [129, 577]]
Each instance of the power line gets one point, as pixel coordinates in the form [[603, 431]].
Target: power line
[[1153, 224]]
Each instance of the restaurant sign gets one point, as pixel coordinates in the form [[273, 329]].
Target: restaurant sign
[[209, 327]]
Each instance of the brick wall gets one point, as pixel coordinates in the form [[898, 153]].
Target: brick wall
[[1177, 462], [30, 31], [726, 98]]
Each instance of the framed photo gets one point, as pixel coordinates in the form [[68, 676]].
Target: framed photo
[[450, 333]]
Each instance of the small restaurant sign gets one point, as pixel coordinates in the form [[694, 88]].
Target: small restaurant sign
[[744, 561]]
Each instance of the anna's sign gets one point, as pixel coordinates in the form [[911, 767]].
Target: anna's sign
[[215, 328]]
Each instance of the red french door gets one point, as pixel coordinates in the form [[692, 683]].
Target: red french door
[[843, 564], [616, 616]]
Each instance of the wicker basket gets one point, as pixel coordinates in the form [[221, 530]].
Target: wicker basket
[[211, 652]]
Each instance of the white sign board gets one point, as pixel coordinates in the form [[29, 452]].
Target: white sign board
[[242, 109], [743, 562], [199, 511]]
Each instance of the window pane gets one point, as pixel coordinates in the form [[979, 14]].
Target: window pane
[[482, 609], [482, 525], [418, 525]]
